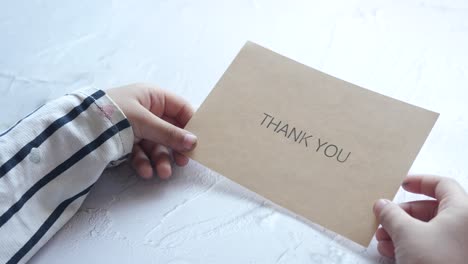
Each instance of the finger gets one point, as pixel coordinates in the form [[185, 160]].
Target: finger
[[141, 163], [422, 210], [171, 121], [392, 218], [177, 108], [162, 162], [386, 248], [174, 106], [433, 186], [180, 159], [147, 146], [382, 235], [159, 131]]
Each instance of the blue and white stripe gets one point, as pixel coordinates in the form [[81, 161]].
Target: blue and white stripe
[[38, 196]]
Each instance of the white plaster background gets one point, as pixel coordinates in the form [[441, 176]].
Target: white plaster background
[[415, 51]]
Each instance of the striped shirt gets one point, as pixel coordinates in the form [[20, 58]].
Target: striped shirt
[[49, 161]]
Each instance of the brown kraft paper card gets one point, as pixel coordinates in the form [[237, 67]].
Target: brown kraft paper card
[[316, 145]]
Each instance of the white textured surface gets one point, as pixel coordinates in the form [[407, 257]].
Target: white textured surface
[[415, 51]]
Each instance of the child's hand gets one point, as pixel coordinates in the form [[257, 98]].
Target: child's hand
[[432, 231], [157, 118]]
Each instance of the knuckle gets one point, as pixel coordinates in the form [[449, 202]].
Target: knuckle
[[173, 134], [385, 213], [449, 181], [449, 185], [389, 218], [146, 86], [141, 84], [160, 152]]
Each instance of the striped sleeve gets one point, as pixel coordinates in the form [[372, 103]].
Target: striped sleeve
[[49, 161]]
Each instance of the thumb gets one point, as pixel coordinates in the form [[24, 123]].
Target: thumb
[[157, 130], [392, 217]]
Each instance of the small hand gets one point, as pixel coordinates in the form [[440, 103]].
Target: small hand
[[157, 118], [430, 231]]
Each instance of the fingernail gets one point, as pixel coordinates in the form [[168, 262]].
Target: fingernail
[[404, 183], [189, 141], [381, 203]]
